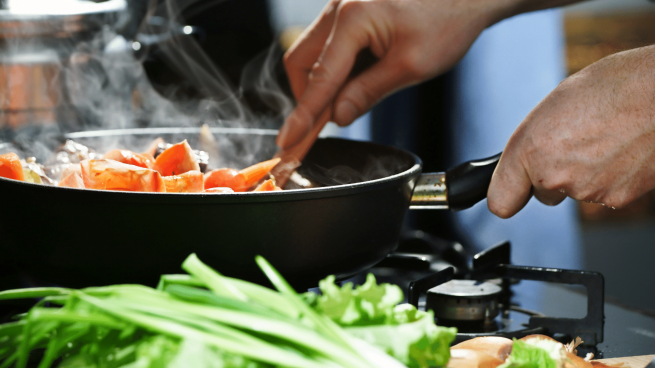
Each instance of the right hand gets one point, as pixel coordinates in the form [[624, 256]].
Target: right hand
[[414, 40]]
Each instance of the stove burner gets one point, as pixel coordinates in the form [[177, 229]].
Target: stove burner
[[464, 301], [457, 298]]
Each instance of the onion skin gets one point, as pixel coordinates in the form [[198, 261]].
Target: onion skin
[[466, 358]]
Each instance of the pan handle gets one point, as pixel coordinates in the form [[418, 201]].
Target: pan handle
[[458, 188]]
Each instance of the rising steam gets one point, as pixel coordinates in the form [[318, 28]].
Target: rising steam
[[101, 76]]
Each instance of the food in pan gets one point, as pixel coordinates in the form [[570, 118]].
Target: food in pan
[[204, 319], [171, 168]]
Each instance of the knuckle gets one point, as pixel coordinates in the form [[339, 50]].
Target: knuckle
[[583, 195], [350, 9], [414, 65], [363, 99], [320, 74], [618, 200]]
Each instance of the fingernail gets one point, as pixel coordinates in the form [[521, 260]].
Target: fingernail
[[346, 112], [293, 130]]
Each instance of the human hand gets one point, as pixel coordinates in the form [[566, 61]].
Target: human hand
[[592, 139], [412, 40]]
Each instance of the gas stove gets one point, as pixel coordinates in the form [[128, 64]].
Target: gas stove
[[483, 295]]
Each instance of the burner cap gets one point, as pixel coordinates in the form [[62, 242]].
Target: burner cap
[[464, 301]]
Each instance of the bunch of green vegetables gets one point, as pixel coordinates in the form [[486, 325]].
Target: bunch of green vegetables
[[205, 319]]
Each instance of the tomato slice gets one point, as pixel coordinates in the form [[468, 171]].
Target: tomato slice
[[72, 180], [239, 181], [267, 186], [176, 160], [114, 175], [258, 171], [189, 182], [226, 178], [130, 158], [10, 167]]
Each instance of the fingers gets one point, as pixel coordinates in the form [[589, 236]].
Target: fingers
[[368, 88], [300, 58], [510, 188], [327, 76]]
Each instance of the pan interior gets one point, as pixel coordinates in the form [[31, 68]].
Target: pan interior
[[330, 162]]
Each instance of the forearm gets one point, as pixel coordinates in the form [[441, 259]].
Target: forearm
[[509, 8]]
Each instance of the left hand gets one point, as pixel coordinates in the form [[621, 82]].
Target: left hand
[[591, 139]]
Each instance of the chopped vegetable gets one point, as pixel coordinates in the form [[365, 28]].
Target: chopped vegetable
[[226, 178], [72, 180], [190, 182], [10, 167], [258, 171], [267, 186], [113, 175], [30, 176], [239, 181], [176, 160], [205, 320], [174, 168], [131, 158]]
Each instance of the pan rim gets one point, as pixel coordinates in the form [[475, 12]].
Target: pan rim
[[285, 195]]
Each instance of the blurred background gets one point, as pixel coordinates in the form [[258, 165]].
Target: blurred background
[[218, 62]]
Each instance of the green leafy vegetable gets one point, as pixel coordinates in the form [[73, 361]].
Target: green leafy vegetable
[[545, 354], [205, 319], [368, 304], [370, 312]]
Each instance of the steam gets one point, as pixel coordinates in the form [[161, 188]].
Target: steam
[[95, 80], [99, 81]]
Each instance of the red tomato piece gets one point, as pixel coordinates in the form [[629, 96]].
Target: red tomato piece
[[130, 158], [114, 175], [267, 186], [226, 178], [72, 180], [176, 160], [189, 182], [10, 167], [258, 171]]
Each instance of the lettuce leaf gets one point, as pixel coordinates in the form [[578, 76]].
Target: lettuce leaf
[[370, 312], [365, 305], [417, 343], [525, 355]]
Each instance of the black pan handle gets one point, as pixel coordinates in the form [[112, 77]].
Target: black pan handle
[[458, 188], [468, 183]]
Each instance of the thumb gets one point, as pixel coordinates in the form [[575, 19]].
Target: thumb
[[510, 188]]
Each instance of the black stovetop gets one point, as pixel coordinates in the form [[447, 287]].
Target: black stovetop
[[626, 332]]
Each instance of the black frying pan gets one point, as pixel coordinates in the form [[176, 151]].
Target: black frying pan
[[79, 238]]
